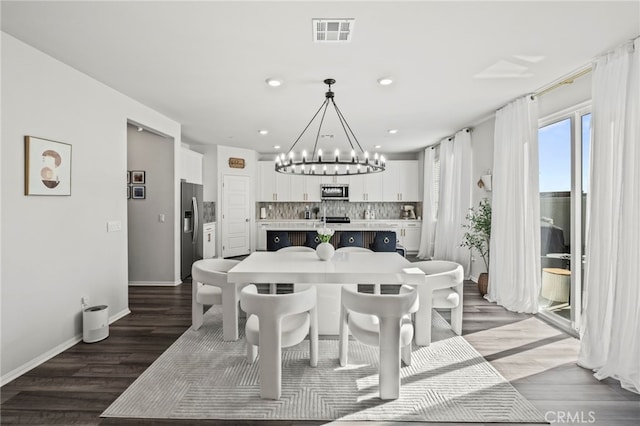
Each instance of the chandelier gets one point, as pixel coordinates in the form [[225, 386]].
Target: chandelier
[[319, 163]]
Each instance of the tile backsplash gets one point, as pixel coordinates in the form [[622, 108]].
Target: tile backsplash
[[354, 210], [209, 213]]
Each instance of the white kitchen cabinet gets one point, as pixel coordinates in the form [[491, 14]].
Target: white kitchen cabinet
[[209, 240], [408, 233], [400, 181], [191, 166], [366, 187], [272, 186], [305, 188], [262, 235], [411, 233]]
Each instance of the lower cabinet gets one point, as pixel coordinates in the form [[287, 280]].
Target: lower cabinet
[[410, 236]]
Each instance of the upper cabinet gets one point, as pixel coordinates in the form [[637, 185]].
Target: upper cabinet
[[272, 186], [191, 165], [305, 188], [401, 181], [366, 187]]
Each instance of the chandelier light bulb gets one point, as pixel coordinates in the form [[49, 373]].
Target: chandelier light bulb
[[337, 155], [320, 156], [324, 169]]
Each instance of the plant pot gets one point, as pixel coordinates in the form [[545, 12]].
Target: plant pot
[[483, 283], [325, 251]]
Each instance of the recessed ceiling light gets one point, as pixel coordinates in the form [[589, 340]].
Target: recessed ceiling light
[[140, 129], [273, 82], [392, 131], [263, 132], [385, 81], [378, 146], [276, 146]]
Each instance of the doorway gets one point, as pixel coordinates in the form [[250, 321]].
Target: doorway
[[236, 209], [564, 141]]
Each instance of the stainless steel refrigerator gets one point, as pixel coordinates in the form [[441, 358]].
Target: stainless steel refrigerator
[[191, 226]]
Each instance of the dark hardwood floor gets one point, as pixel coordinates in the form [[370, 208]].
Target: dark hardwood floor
[[76, 386]]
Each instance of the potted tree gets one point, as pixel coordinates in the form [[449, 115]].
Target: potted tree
[[478, 236]]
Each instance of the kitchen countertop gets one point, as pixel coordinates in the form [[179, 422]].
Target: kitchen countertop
[[314, 224]]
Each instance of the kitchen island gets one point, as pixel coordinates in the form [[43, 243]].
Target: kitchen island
[[407, 230]]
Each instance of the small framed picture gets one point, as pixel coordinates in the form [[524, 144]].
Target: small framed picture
[[128, 192], [128, 176], [138, 192], [137, 177]]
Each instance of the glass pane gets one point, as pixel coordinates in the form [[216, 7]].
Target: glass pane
[[555, 216]]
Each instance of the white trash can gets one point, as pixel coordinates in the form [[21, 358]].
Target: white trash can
[[95, 323]]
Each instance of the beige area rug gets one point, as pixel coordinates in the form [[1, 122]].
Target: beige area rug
[[202, 377]]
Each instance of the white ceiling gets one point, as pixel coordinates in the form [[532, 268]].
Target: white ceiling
[[204, 63]]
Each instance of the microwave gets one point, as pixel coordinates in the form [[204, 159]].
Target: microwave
[[334, 192]]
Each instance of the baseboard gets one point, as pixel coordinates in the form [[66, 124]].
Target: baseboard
[[155, 283], [474, 278], [28, 366]]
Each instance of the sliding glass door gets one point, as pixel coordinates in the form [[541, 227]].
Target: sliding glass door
[[564, 140]]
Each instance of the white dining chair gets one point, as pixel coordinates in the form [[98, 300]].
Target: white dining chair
[[381, 320], [277, 321], [210, 287], [273, 287], [442, 288], [354, 249]]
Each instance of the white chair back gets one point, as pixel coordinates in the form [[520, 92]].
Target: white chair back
[[442, 288], [209, 287], [382, 320], [276, 321], [296, 249], [276, 306], [441, 273], [353, 249], [382, 305]]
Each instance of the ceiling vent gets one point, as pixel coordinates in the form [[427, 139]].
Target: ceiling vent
[[332, 30]]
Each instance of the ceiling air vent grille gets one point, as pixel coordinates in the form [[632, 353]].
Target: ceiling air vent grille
[[332, 30]]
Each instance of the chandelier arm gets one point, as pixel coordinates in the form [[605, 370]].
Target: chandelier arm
[[307, 126], [324, 112], [343, 121], [348, 127]]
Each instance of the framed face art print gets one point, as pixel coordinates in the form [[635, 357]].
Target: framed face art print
[[47, 167]]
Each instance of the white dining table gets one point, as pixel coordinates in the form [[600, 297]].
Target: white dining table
[[343, 268], [307, 268], [300, 268]]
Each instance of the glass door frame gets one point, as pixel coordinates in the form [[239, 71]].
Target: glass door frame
[[575, 114]]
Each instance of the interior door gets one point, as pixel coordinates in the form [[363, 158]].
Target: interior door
[[236, 210]]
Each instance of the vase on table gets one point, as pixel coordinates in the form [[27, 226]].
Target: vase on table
[[325, 251]]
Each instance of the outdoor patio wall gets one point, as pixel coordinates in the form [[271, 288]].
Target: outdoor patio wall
[[56, 249]]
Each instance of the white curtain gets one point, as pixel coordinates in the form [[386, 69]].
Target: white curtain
[[428, 205], [610, 342], [514, 271], [454, 200]]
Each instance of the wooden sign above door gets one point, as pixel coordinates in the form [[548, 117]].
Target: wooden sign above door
[[236, 163]]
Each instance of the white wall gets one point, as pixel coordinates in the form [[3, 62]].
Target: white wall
[[151, 241], [56, 249]]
